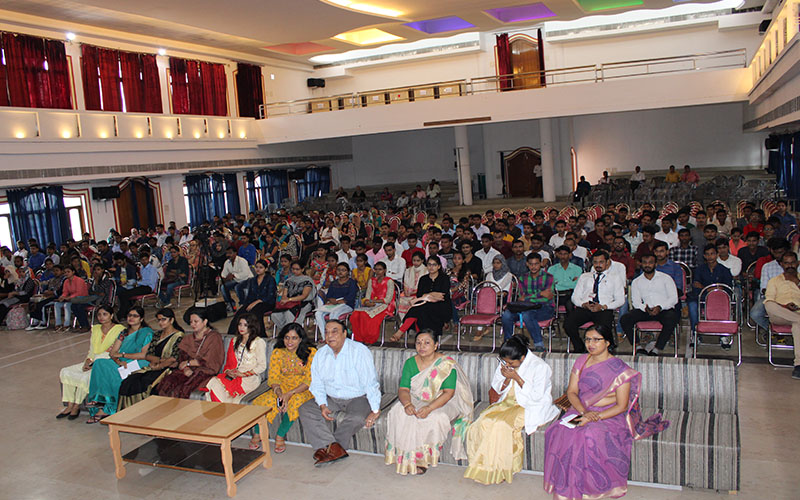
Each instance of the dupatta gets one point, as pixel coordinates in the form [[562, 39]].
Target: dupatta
[[603, 379], [426, 386], [233, 386]]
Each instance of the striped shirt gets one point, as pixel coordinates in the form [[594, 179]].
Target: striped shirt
[[531, 288]]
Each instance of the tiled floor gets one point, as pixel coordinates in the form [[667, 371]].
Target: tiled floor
[[43, 458]]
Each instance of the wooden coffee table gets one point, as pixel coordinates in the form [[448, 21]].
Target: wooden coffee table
[[187, 433]]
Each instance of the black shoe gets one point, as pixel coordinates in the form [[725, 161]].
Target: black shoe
[[641, 352], [796, 372], [73, 417], [62, 415]]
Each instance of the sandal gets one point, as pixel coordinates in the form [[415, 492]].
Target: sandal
[[254, 445], [421, 470], [280, 447], [96, 418], [397, 337]]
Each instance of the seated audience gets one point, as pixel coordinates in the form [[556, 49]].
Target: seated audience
[[708, 273], [591, 457], [176, 273], [410, 284], [130, 348], [782, 302], [344, 382], [245, 361], [100, 292], [72, 288], [296, 299], [377, 304], [289, 378], [733, 263], [654, 297], [201, 355], [235, 272], [75, 378], [258, 297], [339, 299], [565, 276], [49, 289], [500, 275], [434, 401], [520, 397], [162, 356]]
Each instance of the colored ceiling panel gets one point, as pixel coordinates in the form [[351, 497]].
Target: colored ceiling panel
[[369, 36], [440, 25], [522, 12], [595, 5], [299, 49]]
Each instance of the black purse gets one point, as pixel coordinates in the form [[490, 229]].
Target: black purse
[[520, 306]]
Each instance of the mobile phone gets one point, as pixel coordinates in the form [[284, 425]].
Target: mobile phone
[[570, 421], [227, 376], [280, 402]]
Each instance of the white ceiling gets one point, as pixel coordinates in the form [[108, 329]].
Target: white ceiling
[[247, 26]]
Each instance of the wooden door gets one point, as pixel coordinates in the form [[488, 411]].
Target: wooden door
[[525, 59], [520, 178], [134, 206]]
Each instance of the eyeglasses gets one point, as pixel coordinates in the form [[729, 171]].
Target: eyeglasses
[[589, 340]]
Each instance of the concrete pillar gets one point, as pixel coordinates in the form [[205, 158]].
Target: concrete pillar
[[548, 168], [464, 170]]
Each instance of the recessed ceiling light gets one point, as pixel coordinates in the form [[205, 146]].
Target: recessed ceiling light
[[440, 25], [70, 36], [519, 13], [365, 7], [162, 52], [369, 36]]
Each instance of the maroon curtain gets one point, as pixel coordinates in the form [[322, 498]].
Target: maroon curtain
[[195, 88], [91, 78], [3, 82], [108, 60], [208, 98], [220, 84], [58, 74], [132, 82], [21, 72], [180, 87], [151, 84], [504, 66], [249, 89]]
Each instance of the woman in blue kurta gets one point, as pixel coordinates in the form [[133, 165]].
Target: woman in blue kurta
[[104, 385]]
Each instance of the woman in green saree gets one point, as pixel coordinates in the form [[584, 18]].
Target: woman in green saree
[[434, 401]]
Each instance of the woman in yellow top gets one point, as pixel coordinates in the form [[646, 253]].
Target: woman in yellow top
[[289, 378], [75, 379], [672, 176], [362, 272]]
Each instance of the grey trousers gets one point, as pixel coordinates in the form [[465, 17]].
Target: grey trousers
[[318, 430]]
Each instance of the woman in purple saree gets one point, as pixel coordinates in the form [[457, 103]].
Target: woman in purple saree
[[592, 459]]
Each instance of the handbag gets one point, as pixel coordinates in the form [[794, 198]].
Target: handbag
[[520, 306], [286, 305]]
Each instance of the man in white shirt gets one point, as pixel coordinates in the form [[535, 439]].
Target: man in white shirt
[[395, 265], [596, 295], [235, 271], [345, 254], [561, 234], [161, 235], [402, 200], [653, 298], [634, 237], [724, 257], [487, 253], [477, 227], [637, 178], [186, 236], [667, 235]]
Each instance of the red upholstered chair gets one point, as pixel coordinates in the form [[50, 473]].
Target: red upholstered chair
[[776, 332], [717, 315], [653, 327], [487, 307]]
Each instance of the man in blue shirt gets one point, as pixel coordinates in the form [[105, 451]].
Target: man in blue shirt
[[343, 381], [787, 219], [146, 285], [707, 273], [669, 267], [247, 251], [36, 257], [340, 298]]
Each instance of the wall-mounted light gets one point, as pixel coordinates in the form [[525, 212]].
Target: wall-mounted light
[[66, 134], [20, 135], [221, 135], [162, 52], [169, 135], [242, 135], [70, 36], [197, 135], [104, 135], [272, 76], [139, 135]]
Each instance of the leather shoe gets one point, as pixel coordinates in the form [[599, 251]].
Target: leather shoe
[[320, 455], [333, 452]]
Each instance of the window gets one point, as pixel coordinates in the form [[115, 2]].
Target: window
[[6, 239], [76, 213], [186, 201]]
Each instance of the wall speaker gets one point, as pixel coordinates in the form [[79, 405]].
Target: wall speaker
[[316, 83], [772, 143], [105, 193]]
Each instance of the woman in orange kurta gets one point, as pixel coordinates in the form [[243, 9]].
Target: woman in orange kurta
[[289, 379]]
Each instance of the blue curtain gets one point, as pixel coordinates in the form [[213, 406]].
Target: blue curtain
[[274, 186], [201, 206], [39, 213], [232, 194], [316, 183], [786, 164], [251, 190], [151, 207], [218, 195]]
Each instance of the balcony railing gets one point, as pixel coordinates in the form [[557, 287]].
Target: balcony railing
[[598, 73]]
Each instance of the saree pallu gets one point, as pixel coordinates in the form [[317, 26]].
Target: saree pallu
[[494, 442], [366, 322], [105, 380], [593, 461], [413, 442]]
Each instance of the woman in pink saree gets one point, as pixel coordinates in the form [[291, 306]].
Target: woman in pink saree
[[592, 458]]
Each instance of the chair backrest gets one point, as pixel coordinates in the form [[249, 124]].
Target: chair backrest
[[421, 217], [487, 299], [717, 303], [686, 272]]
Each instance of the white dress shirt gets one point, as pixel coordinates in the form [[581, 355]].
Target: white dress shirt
[[347, 375], [670, 238], [633, 241], [618, 269], [556, 240], [581, 252], [395, 268], [734, 264], [239, 268], [658, 291], [534, 396], [486, 258], [479, 231], [611, 290], [346, 257]]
